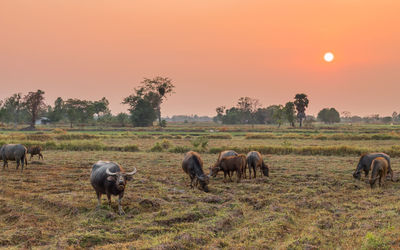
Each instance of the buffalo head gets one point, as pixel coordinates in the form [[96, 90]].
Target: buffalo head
[[120, 178]]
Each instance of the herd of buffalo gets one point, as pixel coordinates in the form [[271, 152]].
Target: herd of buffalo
[[110, 178]]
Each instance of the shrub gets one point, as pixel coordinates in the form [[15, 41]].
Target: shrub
[[157, 148], [374, 242], [219, 136], [165, 144], [179, 149], [58, 131]]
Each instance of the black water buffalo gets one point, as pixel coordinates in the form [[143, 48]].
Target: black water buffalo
[[110, 178], [14, 152], [379, 169], [35, 150], [193, 166], [364, 164], [254, 160]]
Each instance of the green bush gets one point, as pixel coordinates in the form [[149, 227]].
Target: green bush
[[157, 148]]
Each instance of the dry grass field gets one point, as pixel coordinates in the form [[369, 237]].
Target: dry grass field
[[308, 202]]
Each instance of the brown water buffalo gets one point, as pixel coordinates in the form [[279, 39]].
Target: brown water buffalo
[[193, 166], [35, 150], [255, 161], [379, 168], [221, 155], [229, 165], [364, 164], [110, 178], [14, 152]]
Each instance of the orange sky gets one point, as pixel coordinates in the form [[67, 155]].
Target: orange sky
[[215, 51]]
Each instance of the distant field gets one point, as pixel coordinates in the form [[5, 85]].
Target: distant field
[[310, 200]]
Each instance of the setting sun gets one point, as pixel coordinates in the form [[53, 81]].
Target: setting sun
[[328, 57]]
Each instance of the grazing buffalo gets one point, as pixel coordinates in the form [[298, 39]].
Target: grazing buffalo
[[13, 152], [35, 150], [221, 155], [193, 166], [379, 168], [364, 164], [110, 178], [229, 165], [255, 161]]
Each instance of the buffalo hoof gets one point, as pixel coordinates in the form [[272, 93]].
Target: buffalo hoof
[[121, 212]]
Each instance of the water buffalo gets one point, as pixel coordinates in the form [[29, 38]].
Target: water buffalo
[[379, 168], [110, 178], [35, 150], [193, 166], [364, 164], [254, 160], [14, 152], [229, 165], [221, 155]]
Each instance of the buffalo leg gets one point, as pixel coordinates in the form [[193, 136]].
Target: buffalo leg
[[22, 164], [238, 176], [224, 176], [230, 175], [249, 172], [191, 181], [18, 164], [120, 210], [40, 155], [254, 170], [98, 199], [31, 157]]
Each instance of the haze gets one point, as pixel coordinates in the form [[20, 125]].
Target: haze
[[215, 51]]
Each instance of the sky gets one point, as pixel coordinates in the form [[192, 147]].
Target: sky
[[215, 51]]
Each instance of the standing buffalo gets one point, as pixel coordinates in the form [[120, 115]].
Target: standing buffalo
[[13, 152], [365, 162], [379, 169], [35, 150], [193, 166], [254, 160], [110, 178], [229, 165]]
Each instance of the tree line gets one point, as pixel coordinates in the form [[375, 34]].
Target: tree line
[[144, 107], [249, 111]]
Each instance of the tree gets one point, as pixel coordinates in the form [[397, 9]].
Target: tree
[[290, 112], [395, 116], [143, 114], [149, 96], [12, 109], [79, 110], [101, 107], [279, 115], [57, 113], [34, 104], [220, 113], [161, 87], [301, 103], [247, 107], [329, 116], [122, 119]]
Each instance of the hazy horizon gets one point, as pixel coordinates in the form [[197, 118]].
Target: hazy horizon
[[214, 51]]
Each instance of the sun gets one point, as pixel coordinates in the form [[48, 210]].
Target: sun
[[328, 57]]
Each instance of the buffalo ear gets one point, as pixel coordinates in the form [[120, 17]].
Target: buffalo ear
[[111, 178]]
